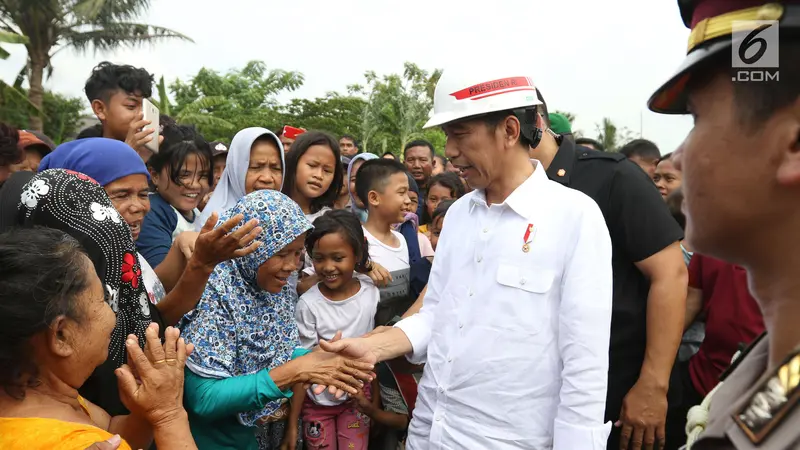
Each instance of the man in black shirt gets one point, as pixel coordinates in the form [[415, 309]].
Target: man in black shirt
[[650, 282]]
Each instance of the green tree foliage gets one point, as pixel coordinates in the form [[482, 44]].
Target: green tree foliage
[[611, 136], [335, 113], [50, 26], [61, 114], [222, 104], [397, 108]]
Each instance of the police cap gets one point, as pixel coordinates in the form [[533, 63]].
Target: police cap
[[711, 22]]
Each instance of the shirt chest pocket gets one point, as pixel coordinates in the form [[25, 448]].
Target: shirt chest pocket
[[526, 302], [528, 280]]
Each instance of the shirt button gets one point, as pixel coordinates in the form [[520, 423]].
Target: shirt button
[[471, 293], [480, 258], [522, 281], [485, 230], [438, 419], [441, 390], [460, 324], [450, 359]]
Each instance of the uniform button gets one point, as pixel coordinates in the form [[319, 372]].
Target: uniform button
[[480, 258], [438, 419], [522, 281], [460, 325], [441, 390], [485, 230], [471, 293], [450, 359]]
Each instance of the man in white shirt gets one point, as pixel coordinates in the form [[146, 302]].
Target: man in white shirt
[[515, 325]]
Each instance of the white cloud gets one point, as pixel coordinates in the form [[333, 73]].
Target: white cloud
[[595, 59]]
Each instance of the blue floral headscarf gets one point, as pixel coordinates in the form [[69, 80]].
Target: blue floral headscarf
[[238, 328]]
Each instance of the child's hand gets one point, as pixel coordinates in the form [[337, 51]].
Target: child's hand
[[379, 275], [138, 136], [361, 402]]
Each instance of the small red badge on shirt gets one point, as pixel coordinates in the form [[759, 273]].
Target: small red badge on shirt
[[527, 238]]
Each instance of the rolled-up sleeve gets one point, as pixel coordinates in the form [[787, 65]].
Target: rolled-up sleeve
[[583, 336]]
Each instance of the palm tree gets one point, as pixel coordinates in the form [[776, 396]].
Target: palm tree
[[53, 25]]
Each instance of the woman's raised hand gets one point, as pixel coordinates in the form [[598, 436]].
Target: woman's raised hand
[[215, 245], [151, 384]]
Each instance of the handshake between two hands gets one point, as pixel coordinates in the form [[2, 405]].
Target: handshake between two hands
[[353, 358]]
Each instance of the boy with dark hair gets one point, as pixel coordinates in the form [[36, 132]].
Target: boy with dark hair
[[116, 93], [644, 153], [382, 185]]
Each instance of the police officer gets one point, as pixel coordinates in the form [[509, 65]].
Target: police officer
[[650, 280], [741, 169]]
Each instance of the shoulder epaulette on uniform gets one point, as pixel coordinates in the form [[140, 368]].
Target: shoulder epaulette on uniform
[[772, 401], [744, 352], [593, 154]]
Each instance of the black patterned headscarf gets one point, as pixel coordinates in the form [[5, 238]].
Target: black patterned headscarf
[[76, 204]]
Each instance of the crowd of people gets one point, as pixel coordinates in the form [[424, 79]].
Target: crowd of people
[[520, 288]]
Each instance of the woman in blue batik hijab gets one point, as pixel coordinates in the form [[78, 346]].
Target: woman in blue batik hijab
[[247, 354]]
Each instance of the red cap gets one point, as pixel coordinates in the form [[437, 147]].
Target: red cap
[[26, 139], [292, 132]]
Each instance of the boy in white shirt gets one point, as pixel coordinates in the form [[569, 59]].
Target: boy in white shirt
[[382, 185]]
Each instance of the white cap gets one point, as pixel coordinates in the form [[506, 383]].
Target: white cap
[[466, 93]]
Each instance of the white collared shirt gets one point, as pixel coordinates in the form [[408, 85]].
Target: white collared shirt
[[516, 342]]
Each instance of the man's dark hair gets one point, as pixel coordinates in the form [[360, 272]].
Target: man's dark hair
[[93, 131], [108, 78], [419, 143], [642, 148], [9, 145], [374, 176], [584, 141], [351, 138], [388, 153], [666, 157], [299, 148]]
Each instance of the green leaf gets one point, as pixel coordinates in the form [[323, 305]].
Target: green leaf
[[114, 35], [8, 37]]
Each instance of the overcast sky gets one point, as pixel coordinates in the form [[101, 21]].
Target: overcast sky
[[593, 58]]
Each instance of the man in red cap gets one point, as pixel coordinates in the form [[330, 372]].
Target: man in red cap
[[741, 169], [34, 149], [287, 135]]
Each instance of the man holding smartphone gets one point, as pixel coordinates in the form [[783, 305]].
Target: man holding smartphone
[[116, 93]]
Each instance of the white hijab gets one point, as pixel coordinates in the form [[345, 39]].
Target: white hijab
[[231, 185]]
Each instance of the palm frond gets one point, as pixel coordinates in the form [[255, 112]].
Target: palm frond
[[8, 92], [102, 11], [88, 10], [23, 73], [8, 37], [114, 35]]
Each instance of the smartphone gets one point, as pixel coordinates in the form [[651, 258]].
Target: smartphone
[[150, 112]]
